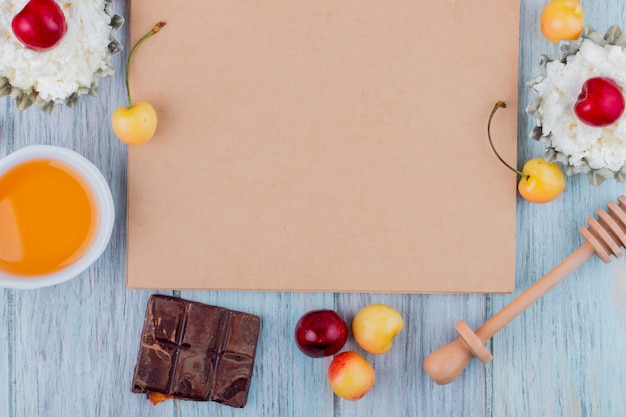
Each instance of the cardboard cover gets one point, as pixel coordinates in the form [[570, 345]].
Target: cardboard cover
[[324, 146]]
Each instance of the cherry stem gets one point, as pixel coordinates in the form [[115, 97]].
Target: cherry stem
[[499, 104], [154, 30]]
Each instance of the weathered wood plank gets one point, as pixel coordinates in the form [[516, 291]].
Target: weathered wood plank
[[559, 357], [6, 373], [6, 307]]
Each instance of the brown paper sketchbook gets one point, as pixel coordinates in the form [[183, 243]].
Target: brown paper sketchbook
[[324, 146]]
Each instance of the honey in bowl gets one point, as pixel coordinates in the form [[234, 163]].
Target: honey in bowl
[[48, 218]]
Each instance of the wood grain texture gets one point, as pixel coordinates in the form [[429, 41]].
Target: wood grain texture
[[6, 296], [402, 387], [6, 374], [6, 310], [70, 349]]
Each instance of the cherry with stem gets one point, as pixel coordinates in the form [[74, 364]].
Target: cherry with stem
[[540, 181], [135, 124]]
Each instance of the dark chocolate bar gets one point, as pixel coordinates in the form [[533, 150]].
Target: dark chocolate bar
[[195, 351]]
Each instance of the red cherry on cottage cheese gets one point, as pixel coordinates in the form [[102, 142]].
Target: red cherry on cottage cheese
[[40, 25], [600, 102]]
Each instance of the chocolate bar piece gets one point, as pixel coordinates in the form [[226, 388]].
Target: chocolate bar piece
[[196, 351]]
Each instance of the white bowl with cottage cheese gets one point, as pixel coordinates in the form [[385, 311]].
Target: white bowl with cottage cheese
[[599, 152], [70, 69]]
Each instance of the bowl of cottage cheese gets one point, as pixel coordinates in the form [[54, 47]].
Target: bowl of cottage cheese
[[72, 68], [598, 152]]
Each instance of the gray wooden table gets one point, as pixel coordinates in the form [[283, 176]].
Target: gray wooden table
[[69, 350]]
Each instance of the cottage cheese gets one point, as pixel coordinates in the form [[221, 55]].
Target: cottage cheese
[[61, 71], [598, 147]]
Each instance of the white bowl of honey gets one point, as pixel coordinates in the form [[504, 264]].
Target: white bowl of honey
[[56, 216]]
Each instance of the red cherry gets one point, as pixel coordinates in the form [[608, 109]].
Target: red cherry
[[40, 25], [600, 102], [321, 333]]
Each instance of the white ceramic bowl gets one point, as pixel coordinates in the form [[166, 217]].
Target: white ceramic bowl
[[104, 201]]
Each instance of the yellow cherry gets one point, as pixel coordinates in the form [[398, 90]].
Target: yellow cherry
[[135, 124], [540, 181], [562, 20], [375, 326], [350, 376]]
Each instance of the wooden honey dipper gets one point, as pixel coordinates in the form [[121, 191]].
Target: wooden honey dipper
[[603, 237]]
